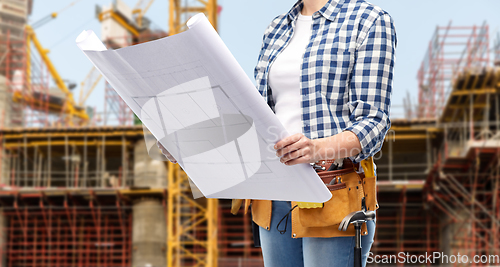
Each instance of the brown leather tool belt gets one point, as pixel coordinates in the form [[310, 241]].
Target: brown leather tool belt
[[350, 192], [322, 167]]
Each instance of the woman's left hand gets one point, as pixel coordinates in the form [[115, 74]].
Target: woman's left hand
[[296, 149]]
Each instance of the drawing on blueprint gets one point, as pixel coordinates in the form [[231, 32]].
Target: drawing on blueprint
[[193, 96]]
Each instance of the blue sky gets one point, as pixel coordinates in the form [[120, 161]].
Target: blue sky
[[242, 23]]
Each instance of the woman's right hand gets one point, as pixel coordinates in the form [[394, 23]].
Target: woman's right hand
[[165, 152]]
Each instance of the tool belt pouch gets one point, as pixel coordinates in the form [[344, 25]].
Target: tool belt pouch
[[347, 196], [370, 188]]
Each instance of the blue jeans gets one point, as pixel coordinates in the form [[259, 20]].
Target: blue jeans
[[283, 250]]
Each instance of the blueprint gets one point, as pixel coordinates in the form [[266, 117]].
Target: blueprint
[[193, 96]]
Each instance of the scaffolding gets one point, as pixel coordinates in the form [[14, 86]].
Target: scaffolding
[[427, 164], [30, 97], [12, 72], [463, 183], [67, 192], [67, 158], [191, 224], [60, 193], [88, 229], [404, 221], [236, 239], [404, 224], [451, 50], [185, 212], [74, 175], [56, 171]]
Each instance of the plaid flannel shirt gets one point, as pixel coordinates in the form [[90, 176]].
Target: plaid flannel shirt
[[346, 73]]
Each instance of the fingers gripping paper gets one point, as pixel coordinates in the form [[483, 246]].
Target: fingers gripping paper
[[193, 96]]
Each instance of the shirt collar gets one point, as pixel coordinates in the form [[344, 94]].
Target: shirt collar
[[329, 11]]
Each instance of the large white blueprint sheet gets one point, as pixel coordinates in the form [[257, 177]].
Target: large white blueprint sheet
[[194, 97]]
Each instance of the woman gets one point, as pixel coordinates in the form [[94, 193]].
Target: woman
[[325, 68]]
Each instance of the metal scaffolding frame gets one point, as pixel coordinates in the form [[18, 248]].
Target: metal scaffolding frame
[[404, 224], [67, 229], [451, 50], [441, 177], [467, 193], [83, 157], [188, 244], [191, 224], [464, 181], [236, 247], [36, 101]]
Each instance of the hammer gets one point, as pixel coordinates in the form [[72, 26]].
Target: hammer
[[357, 218]]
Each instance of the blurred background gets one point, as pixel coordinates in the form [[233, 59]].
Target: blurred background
[[78, 188]]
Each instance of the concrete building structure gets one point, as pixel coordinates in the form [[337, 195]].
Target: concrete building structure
[[101, 195]]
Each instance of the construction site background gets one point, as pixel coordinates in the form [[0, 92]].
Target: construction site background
[[81, 188]]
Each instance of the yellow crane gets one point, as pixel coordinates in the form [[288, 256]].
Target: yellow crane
[[190, 222], [140, 9], [179, 14], [68, 107], [52, 16], [88, 85]]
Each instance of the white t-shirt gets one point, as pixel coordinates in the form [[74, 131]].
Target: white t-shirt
[[284, 76]]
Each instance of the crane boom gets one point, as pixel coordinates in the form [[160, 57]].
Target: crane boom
[[140, 9], [51, 16], [88, 85], [70, 106]]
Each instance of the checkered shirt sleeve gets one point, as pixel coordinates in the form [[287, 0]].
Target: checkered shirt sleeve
[[346, 73], [371, 86]]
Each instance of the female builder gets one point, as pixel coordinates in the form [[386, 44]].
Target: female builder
[[326, 70]]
